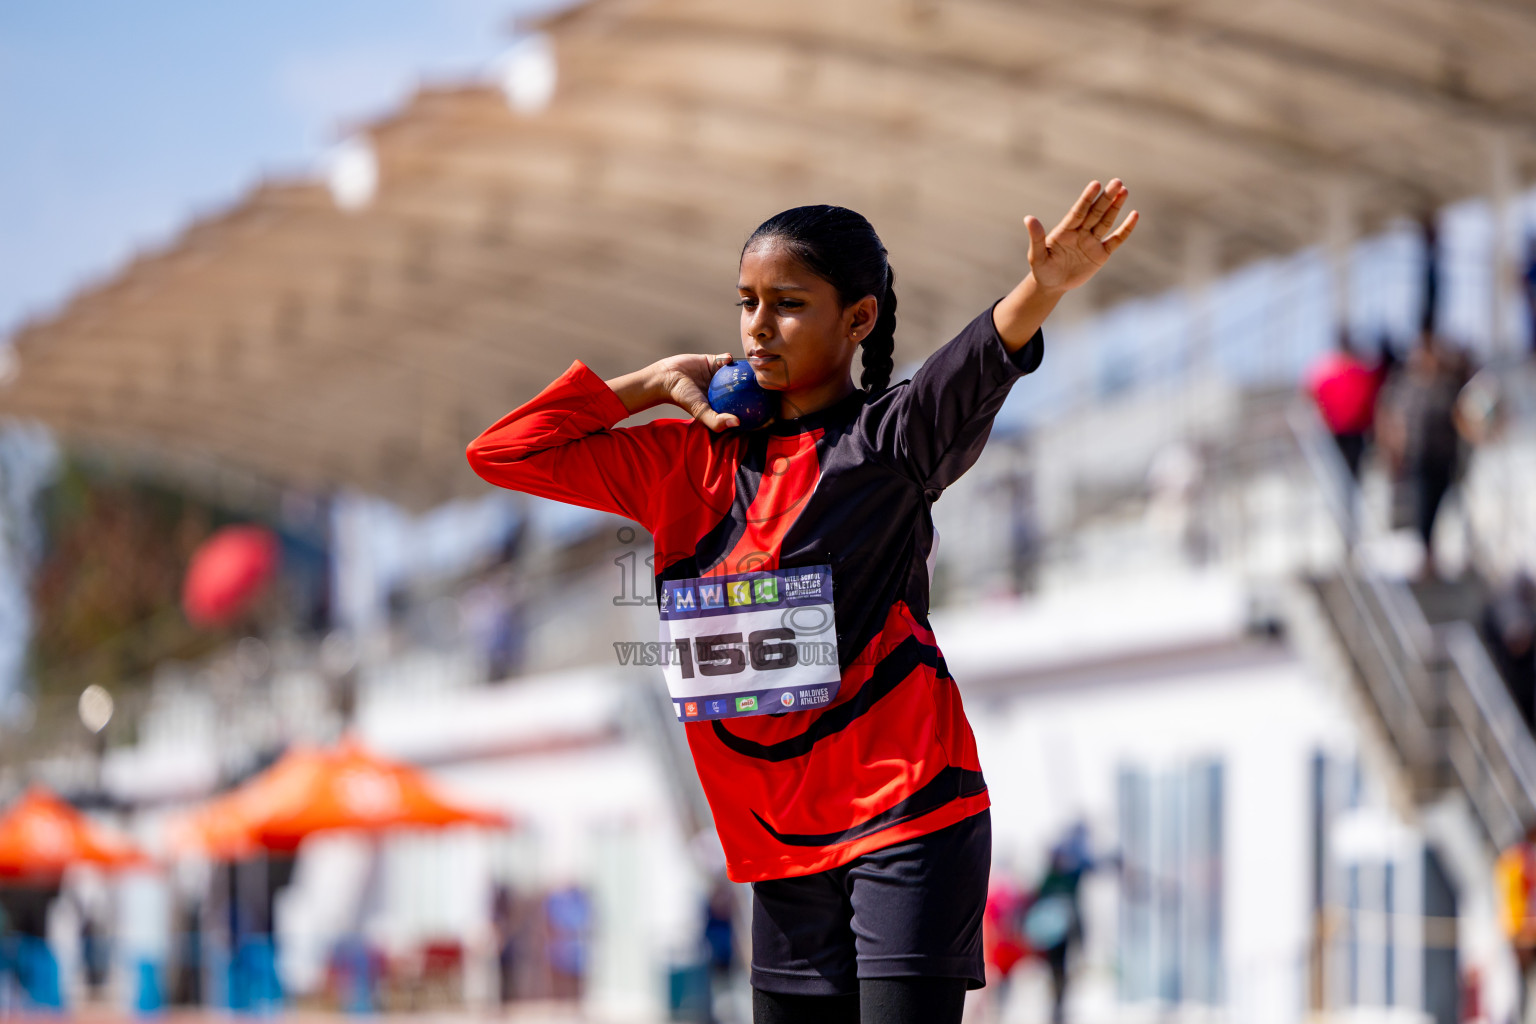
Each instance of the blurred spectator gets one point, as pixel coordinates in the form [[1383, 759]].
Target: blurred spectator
[[1514, 874], [1002, 938], [1419, 432], [1528, 280], [1054, 923], [27, 964], [187, 986], [354, 972], [504, 923], [494, 625], [719, 940], [6, 970], [568, 913], [95, 953], [1509, 627], [1345, 390], [1430, 231]]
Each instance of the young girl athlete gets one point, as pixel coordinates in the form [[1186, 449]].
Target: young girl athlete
[[861, 823]]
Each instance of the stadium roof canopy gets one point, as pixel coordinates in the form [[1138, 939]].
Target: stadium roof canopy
[[310, 345]]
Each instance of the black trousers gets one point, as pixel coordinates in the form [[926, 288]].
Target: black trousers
[[1430, 482], [878, 1001]]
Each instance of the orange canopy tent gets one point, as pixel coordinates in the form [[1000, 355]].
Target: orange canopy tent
[[226, 828], [42, 835], [310, 791]]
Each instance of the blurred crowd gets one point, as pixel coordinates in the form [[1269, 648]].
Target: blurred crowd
[[1040, 923], [1420, 417]]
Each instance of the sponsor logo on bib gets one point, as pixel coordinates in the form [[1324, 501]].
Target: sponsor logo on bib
[[750, 643]]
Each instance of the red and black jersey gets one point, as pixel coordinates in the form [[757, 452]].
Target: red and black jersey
[[850, 486]]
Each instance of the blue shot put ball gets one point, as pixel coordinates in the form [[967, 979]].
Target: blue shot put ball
[[734, 390]]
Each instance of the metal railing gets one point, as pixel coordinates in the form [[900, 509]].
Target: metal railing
[[1433, 687], [1491, 746], [1398, 685]]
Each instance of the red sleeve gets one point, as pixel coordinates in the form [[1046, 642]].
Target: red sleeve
[[562, 445]]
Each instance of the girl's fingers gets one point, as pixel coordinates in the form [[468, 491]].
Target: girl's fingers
[[1074, 217], [1114, 241], [690, 396], [697, 406], [1104, 201], [711, 419], [1036, 237], [701, 377], [1108, 220]]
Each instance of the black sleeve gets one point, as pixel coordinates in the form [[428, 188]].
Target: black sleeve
[[933, 427]]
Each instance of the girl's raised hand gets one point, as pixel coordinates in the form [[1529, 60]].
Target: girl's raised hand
[[1083, 241]]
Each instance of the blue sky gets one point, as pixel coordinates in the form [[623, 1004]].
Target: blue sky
[[121, 121]]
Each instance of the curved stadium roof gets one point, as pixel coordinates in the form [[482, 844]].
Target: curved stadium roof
[[294, 342]]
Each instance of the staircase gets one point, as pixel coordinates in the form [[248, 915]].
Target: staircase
[[1420, 667]]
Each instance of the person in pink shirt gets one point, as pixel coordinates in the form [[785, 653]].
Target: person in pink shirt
[[1345, 390]]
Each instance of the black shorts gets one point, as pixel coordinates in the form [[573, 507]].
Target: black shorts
[[913, 909]]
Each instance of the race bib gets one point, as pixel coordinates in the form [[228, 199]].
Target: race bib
[[753, 643]]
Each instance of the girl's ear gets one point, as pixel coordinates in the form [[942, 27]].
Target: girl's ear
[[862, 318]]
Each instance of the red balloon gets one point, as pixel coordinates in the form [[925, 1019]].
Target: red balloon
[[228, 573]]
